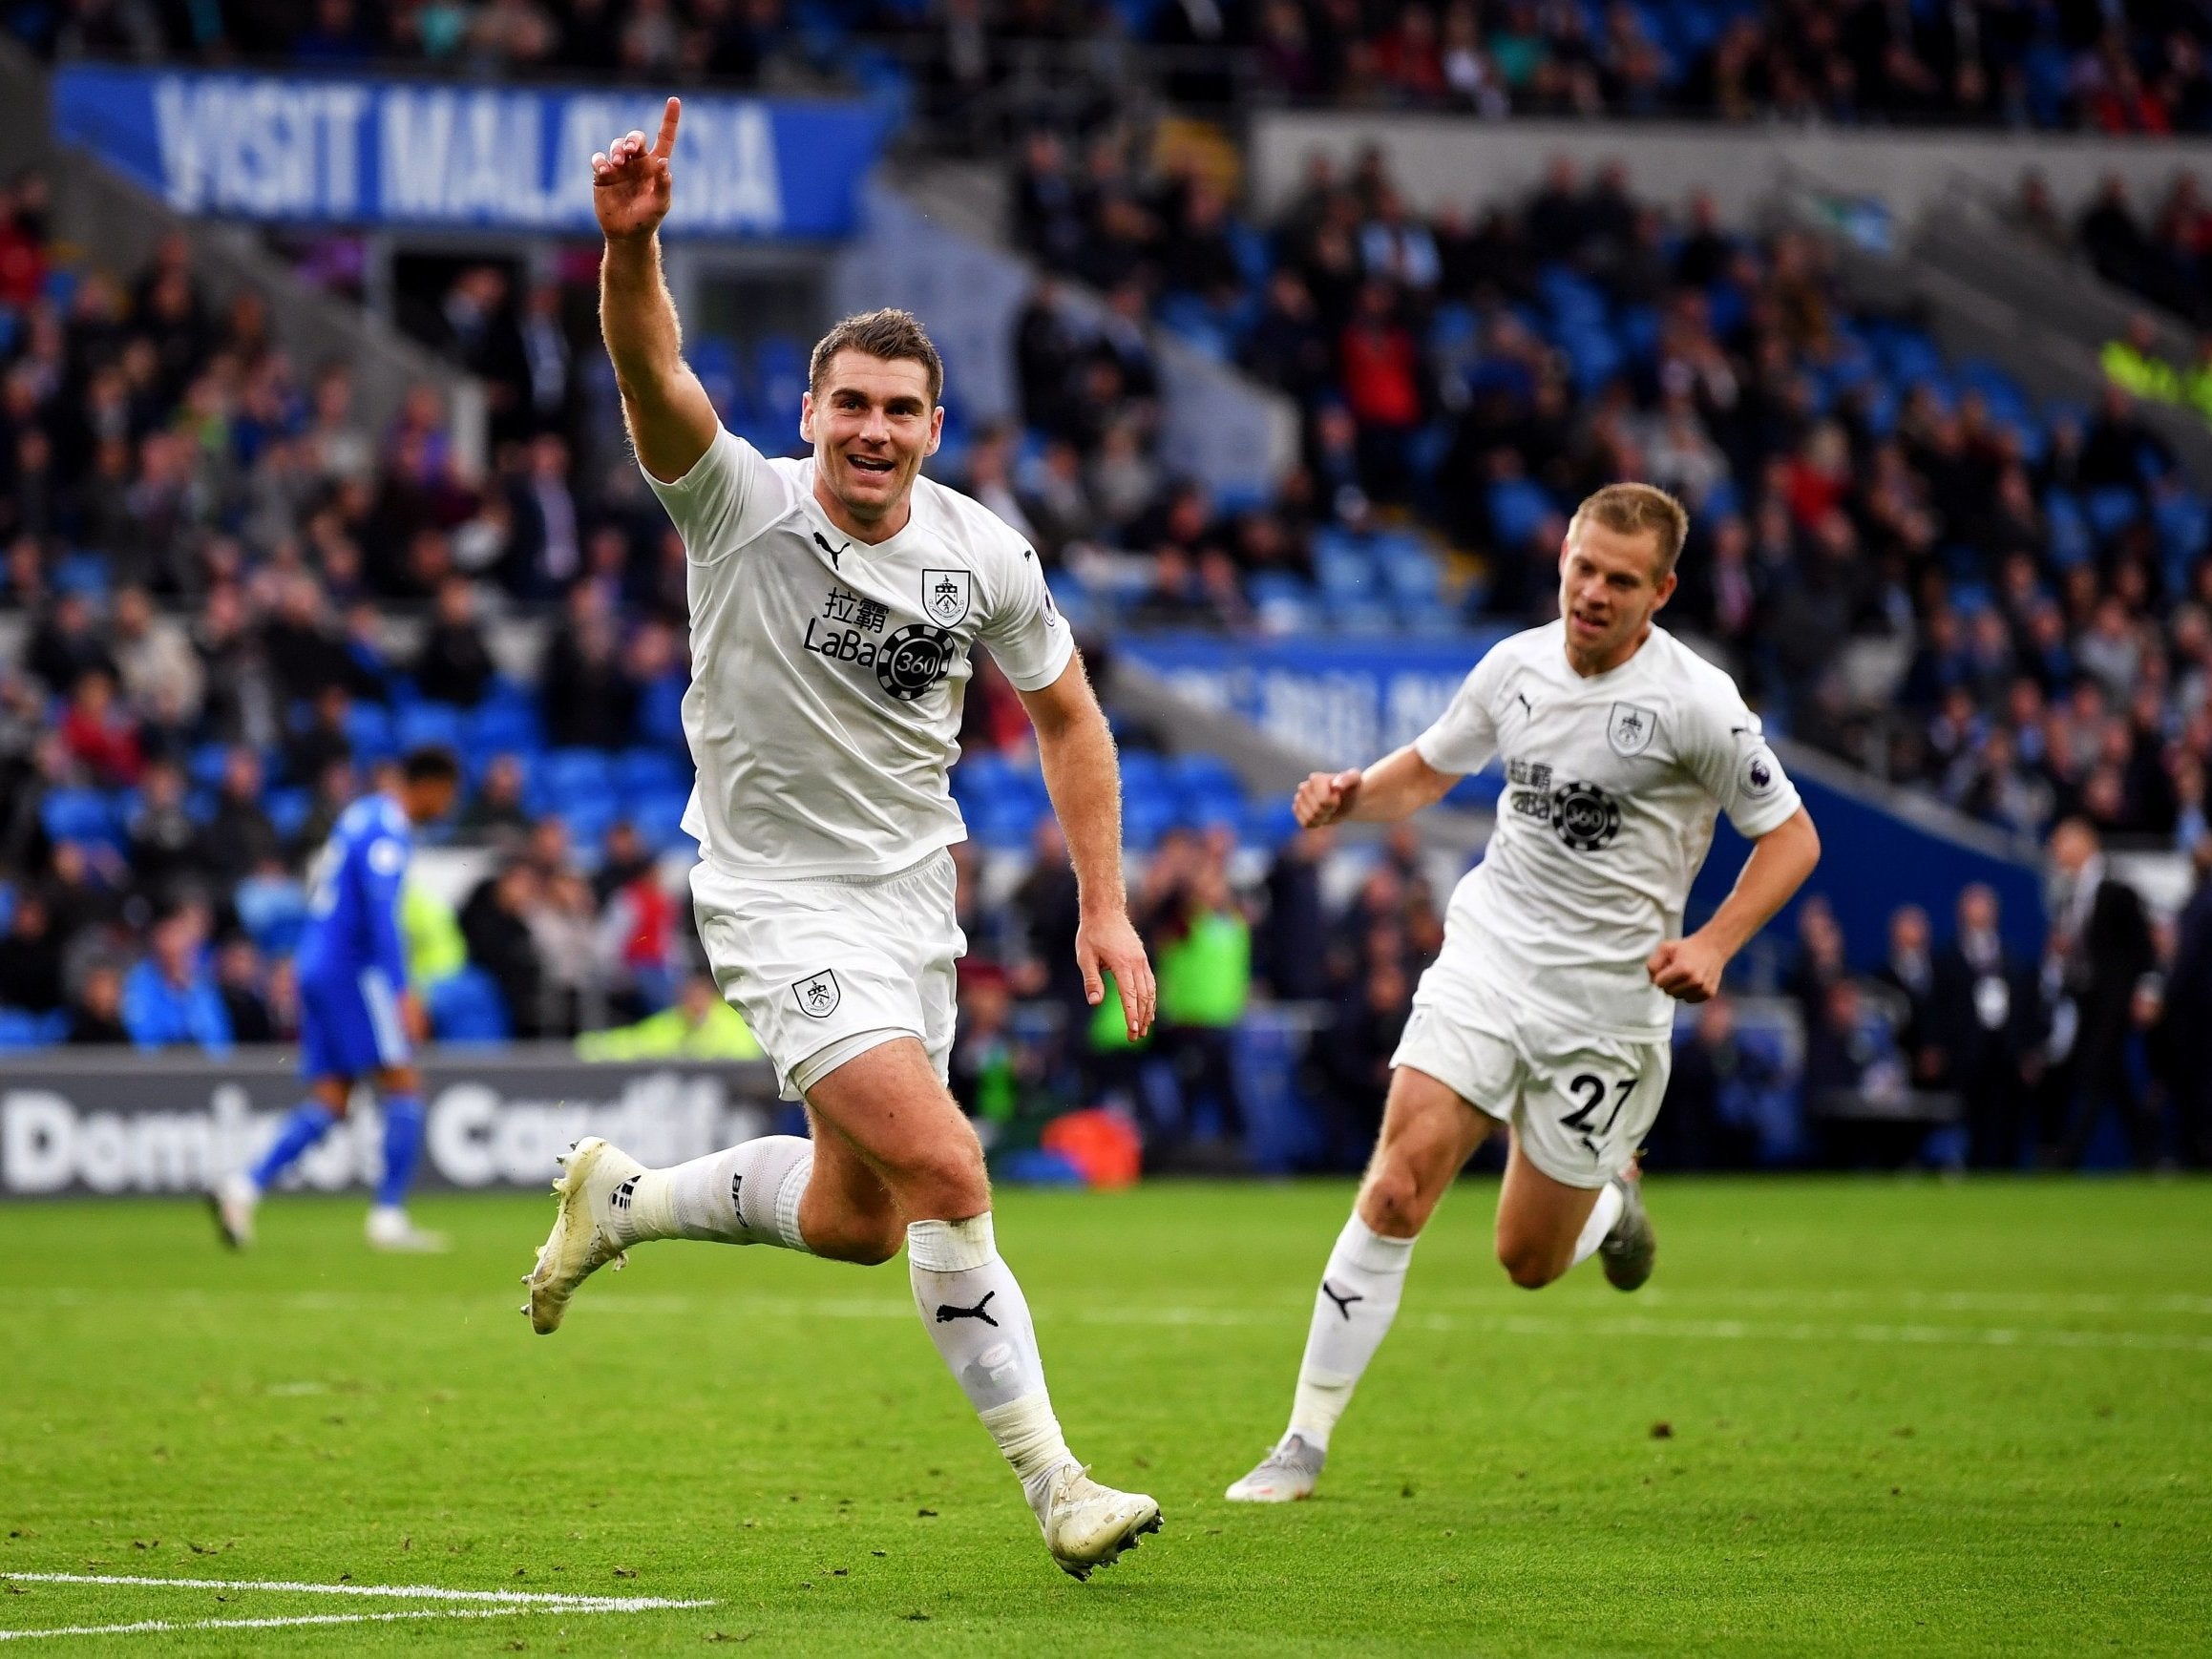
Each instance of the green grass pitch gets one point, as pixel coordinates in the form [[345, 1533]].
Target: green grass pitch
[[1848, 1416]]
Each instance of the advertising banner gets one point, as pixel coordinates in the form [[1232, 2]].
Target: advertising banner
[[1343, 701], [120, 1123], [308, 150]]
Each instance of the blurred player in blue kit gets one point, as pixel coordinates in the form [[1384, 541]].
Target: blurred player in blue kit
[[357, 1018]]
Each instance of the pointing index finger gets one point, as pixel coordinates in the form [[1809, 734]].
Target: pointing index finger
[[666, 141]]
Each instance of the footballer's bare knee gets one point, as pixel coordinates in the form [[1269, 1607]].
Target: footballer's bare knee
[[1529, 1268], [1531, 1264], [1392, 1202]]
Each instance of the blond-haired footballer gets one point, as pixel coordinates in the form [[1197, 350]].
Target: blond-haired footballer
[[1549, 1012], [836, 603]]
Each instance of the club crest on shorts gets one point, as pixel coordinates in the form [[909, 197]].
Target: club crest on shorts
[[946, 596], [817, 997], [1629, 728]]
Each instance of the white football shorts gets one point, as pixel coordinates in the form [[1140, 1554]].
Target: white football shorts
[[826, 968], [1580, 1105]]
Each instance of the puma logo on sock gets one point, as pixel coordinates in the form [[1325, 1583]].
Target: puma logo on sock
[[946, 1316], [1343, 1303]]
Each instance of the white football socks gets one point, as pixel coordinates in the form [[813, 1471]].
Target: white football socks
[[975, 1313], [1602, 1216], [1352, 1313], [746, 1194]]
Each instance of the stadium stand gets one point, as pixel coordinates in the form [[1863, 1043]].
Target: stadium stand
[[234, 599], [2134, 69]]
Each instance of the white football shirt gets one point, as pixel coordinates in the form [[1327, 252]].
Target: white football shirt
[[1612, 786], [827, 673]]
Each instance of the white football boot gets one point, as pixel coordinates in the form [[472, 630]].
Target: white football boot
[[1087, 1526], [1629, 1252], [232, 1200], [391, 1228], [596, 1178], [1284, 1476]]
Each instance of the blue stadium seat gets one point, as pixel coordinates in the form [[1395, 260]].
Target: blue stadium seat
[[569, 776], [714, 360], [21, 1029], [779, 377], [287, 809], [428, 725], [658, 818], [648, 771], [467, 1007], [499, 727], [2110, 510], [368, 728], [273, 911], [1203, 773], [1346, 577], [80, 815], [1517, 507]]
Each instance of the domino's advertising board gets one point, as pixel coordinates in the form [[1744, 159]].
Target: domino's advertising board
[[302, 149], [98, 1122]]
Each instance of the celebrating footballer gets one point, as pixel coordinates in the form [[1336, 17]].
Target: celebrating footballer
[[1549, 1010], [836, 604]]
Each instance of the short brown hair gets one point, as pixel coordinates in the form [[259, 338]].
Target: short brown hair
[[1631, 509], [893, 335]]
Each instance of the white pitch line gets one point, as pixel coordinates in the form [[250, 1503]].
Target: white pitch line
[[651, 1305], [397, 1592], [144, 1625]]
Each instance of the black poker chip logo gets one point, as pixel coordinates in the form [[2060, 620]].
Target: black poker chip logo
[[914, 660], [1585, 816]]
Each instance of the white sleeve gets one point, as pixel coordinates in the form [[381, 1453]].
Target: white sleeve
[[727, 499], [1028, 636], [1725, 746], [1464, 738]]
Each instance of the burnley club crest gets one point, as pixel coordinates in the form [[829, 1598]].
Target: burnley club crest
[[1630, 729]]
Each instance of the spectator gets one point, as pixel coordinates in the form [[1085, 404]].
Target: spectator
[[1716, 1097], [1284, 959], [2186, 1016], [497, 814], [96, 1016], [496, 923], [31, 965], [455, 665], [239, 835], [239, 978], [589, 702], [1985, 1018], [1204, 950], [99, 735], [165, 845], [2101, 939], [169, 999], [1910, 971], [158, 665], [700, 1025]]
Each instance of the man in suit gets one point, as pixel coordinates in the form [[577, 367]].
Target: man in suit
[[1985, 1016], [2188, 1015], [2109, 974]]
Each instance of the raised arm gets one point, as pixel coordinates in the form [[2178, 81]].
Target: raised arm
[[1077, 752], [1397, 786], [671, 419]]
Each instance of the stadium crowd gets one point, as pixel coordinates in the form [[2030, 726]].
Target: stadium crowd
[[1914, 565], [2138, 69]]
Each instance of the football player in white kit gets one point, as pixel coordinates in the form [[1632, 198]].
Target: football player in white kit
[[835, 602], [1547, 1012]]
